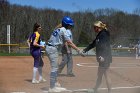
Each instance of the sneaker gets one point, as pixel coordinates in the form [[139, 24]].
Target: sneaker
[[61, 89], [57, 89], [35, 81], [71, 75], [54, 90], [42, 80], [57, 84]]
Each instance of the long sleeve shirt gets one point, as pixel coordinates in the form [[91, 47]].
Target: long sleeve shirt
[[102, 44]]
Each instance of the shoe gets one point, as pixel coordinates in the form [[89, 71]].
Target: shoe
[[35, 81], [71, 75], [57, 84], [54, 90], [61, 89], [42, 80], [57, 89]]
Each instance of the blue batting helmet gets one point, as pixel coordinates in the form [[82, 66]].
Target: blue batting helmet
[[67, 21]]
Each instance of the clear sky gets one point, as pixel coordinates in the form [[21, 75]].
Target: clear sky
[[81, 5]]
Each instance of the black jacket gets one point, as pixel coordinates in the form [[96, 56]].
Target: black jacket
[[102, 44]]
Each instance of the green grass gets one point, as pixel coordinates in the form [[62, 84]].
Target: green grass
[[14, 54]]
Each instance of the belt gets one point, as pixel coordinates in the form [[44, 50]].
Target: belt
[[52, 45], [49, 45]]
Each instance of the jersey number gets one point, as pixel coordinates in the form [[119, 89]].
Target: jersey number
[[55, 32]]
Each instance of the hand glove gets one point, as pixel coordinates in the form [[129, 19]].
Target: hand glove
[[101, 59], [82, 53]]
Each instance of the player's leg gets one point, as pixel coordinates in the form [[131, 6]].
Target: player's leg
[[34, 75], [108, 80], [40, 67], [53, 57], [136, 53], [70, 65], [54, 69], [41, 64], [36, 65], [99, 78], [63, 63]]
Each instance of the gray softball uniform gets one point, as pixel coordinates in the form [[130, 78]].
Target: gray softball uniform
[[55, 42], [67, 57]]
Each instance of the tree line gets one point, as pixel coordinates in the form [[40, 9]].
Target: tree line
[[124, 27]]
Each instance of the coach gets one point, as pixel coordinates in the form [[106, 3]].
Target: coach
[[103, 53]]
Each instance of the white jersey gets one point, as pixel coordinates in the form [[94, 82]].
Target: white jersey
[[70, 38], [58, 37], [69, 34]]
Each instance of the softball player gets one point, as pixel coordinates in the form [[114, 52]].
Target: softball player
[[103, 53], [138, 50], [67, 57], [34, 44], [57, 40]]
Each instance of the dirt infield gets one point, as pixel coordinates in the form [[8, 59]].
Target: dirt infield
[[16, 74]]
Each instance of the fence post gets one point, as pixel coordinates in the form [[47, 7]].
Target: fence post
[[8, 37]]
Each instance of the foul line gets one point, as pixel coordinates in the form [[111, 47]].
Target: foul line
[[18, 92], [85, 65], [106, 88], [85, 90]]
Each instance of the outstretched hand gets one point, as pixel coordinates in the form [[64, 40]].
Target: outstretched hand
[[42, 46], [82, 53]]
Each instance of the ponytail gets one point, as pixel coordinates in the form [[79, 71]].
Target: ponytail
[[58, 26], [103, 26]]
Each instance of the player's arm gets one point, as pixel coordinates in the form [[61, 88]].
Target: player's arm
[[68, 41], [90, 46], [71, 44], [36, 40], [67, 48], [36, 44]]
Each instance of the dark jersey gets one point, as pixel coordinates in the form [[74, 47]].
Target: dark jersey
[[102, 44], [34, 37]]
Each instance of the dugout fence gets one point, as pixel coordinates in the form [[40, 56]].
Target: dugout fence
[[9, 48], [17, 48], [115, 52]]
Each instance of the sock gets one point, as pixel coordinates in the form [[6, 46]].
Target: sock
[[34, 73], [40, 73], [53, 79]]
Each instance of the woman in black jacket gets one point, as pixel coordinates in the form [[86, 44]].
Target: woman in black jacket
[[103, 53]]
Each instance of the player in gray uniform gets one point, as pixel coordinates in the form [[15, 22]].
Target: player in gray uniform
[[138, 50], [57, 40], [67, 56]]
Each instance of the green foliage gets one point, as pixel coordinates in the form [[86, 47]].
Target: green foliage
[[14, 54]]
